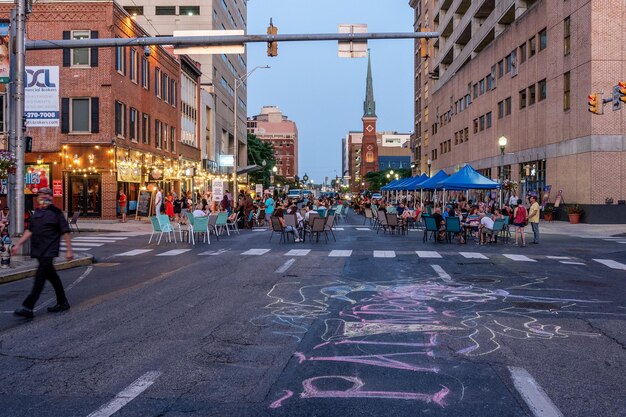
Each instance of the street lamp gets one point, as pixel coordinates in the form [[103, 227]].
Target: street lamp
[[502, 143], [428, 163], [238, 82]]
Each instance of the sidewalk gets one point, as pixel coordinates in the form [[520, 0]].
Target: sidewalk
[[24, 267], [582, 229], [131, 226]]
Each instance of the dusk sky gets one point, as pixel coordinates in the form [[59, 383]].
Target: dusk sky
[[321, 92]]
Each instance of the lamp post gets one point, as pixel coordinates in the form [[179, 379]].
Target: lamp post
[[502, 143], [428, 164], [238, 82]]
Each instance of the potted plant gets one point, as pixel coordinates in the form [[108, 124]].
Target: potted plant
[[574, 212], [548, 212]]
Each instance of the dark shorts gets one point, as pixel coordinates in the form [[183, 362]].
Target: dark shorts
[[519, 224]]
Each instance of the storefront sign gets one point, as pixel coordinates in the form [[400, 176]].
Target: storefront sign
[[227, 160], [218, 190], [57, 188], [4, 53], [126, 173], [37, 177], [210, 166], [41, 105], [144, 204]]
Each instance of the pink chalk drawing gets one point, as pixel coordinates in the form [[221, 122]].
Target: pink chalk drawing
[[385, 360], [356, 391], [279, 402]]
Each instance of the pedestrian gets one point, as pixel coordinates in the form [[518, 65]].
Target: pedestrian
[[269, 207], [158, 201], [177, 204], [520, 217], [122, 202], [46, 226], [533, 218], [169, 206]]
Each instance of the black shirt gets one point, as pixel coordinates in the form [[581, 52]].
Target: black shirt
[[47, 225]]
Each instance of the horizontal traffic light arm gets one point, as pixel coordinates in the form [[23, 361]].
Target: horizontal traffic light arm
[[220, 40]]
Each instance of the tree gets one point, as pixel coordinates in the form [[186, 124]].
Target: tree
[[378, 179], [259, 151]]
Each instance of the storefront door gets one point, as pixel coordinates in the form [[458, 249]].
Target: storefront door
[[85, 195]]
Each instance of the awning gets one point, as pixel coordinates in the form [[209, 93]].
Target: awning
[[248, 169]]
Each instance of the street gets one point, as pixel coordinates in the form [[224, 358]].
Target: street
[[369, 325]]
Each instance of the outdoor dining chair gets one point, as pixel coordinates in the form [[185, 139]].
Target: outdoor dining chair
[[431, 226], [73, 221], [368, 214], [392, 223], [221, 223], [276, 227], [213, 225], [328, 226], [319, 226], [233, 224], [453, 226], [201, 227]]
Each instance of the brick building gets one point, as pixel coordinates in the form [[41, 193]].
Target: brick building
[[523, 70], [274, 127], [120, 119]]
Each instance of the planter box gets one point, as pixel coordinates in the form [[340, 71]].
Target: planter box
[[574, 218]]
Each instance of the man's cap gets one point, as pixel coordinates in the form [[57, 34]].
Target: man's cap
[[45, 190]]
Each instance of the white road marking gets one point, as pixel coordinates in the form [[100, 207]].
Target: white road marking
[[256, 252], [74, 248], [284, 267], [259, 230], [572, 263], [90, 244], [558, 257], [90, 241], [214, 252], [103, 238], [338, 228], [442, 274], [298, 252], [340, 253], [363, 228], [134, 252], [611, 264], [384, 254], [473, 255], [531, 392], [621, 242], [173, 252], [427, 254], [69, 287], [127, 395], [519, 258]]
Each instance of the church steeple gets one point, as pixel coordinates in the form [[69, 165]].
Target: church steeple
[[369, 105]]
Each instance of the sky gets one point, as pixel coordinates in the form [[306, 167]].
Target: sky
[[322, 93]]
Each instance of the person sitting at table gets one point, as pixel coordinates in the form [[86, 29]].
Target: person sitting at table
[[486, 226], [198, 212], [440, 223], [278, 213], [400, 209]]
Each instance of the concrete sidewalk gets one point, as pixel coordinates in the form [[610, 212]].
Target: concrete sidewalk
[[24, 267], [131, 226], [582, 229]]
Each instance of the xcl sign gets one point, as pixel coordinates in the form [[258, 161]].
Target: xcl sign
[[41, 106]]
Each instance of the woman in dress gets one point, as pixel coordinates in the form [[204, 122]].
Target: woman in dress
[[169, 206]]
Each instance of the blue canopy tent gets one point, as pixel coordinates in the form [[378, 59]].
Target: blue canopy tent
[[388, 185], [401, 183], [432, 182], [413, 184], [467, 179]]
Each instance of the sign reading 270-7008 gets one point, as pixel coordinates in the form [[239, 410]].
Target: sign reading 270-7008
[[41, 104]]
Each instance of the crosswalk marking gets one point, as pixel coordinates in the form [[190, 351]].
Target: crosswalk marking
[[213, 252], [173, 252], [473, 255], [363, 228], [338, 228], [134, 252], [611, 264], [63, 249], [93, 241], [340, 253], [298, 252], [519, 258], [384, 254], [89, 244], [427, 254], [104, 238], [256, 252], [558, 257], [572, 263]]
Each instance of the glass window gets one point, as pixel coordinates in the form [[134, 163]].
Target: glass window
[[3, 113], [145, 128], [165, 87], [172, 139], [157, 82], [134, 125], [466, 133], [164, 136], [532, 46], [133, 65], [522, 99], [189, 10], [120, 118], [509, 63], [500, 68], [532, 96], [482, 86], [80, 56], [475, 125], [543, 39], [566, 91], [501, 109], [173, 93], [157, 133], [543, 90], [566, 36], [120, 59], [145, 73], [522, 53], [80, 117], [488, 117], [165, 10], [507, 106], [475, 90], [481, 121]]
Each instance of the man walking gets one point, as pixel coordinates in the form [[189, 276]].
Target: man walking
[[158, 200], [46, 226], [533, 217]]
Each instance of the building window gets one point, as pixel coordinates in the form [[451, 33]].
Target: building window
[[532, 96], [165, 10], [173, 93], [543, 91], [509, 63], [500, 68], [80, 115], [566, 91], [522, 53], [134, 125], [566, 36], [81, 56], [532, 47], [120, 118], [501, 109], [165, 87], [157, 82], [133, 65], [481, 121], [466, 133], [172, 139], [145, 128], [507, 106], [522, 99], [488, 117], [145, 73], [475, 125], [164, 136], [189, 10], [476, 90], [482, 86], [456, 138], [120, 60], [157, 134], [491, 81], [369, 156], [543, 39]]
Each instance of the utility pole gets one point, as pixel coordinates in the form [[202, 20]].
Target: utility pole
[[17, 127]]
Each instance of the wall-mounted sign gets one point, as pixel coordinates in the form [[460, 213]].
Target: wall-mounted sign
[[41, 102], [4, 53], [218, 190], [227, 160], [57, 188], [37, 177]]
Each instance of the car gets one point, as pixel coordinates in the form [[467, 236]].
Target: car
[[296, 195], [377, 196]]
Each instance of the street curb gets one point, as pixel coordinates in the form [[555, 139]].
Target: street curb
[[59, 266]]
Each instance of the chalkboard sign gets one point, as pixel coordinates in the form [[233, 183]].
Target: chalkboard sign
[[144, 204]]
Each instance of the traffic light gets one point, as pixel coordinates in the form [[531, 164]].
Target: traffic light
[[622, 91], [594, 103], [272, 46], [423, 46]]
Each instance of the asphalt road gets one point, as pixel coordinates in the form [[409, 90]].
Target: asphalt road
[[370, 325]]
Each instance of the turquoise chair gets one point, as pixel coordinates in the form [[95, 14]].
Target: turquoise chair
[[201, 226], [222, 221]]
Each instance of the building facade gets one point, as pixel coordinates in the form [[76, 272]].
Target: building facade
[[523, 70], [273, 127], [119, 125], [219, 72]]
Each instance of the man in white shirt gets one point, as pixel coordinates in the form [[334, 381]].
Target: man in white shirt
[[486, 226], [158, 200], [198, 212], [513, 200]]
